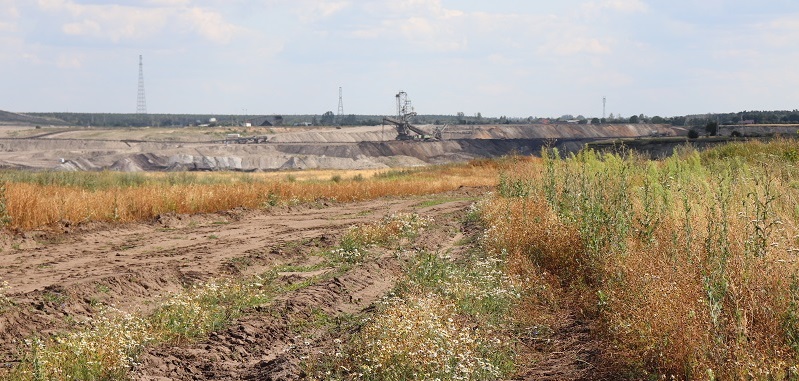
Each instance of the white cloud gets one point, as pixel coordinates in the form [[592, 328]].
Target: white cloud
[[328, 8], [208, 24], [424, 24], [626, 6], [69, 62], [497, 89], [9, 16], [576, 45], [9, 9], [169, 3], [428, 33], [309, 11], [440, 48], [500, 59], [781, 32], [429, 25], [118, 23]]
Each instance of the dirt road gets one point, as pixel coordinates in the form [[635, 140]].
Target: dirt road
[[57, 280]]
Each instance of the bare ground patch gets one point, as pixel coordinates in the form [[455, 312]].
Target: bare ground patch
[[58, 281]]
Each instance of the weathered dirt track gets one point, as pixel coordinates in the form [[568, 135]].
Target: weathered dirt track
[[56, 279]]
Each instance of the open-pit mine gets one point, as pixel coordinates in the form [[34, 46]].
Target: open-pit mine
[[282, 148]]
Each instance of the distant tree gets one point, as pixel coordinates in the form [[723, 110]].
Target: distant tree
[[595, 121], [349, 120], [693, 134], [712, 128], [770, 118], [327, 118], [634, 119], [678, 121], [657, 120], [278, 120]]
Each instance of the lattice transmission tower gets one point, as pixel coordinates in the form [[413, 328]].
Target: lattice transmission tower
[[141, 101], [340, 103]]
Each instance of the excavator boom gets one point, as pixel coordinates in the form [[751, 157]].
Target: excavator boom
[[405, 130]]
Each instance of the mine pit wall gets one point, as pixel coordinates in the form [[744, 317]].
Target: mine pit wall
[[332, 151], [436, 151]]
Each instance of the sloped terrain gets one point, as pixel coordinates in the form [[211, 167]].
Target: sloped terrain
[[275, 149], [12, 118]]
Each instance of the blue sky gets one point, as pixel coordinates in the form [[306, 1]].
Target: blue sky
[[501, 57]]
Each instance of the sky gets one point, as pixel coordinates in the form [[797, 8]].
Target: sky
[[514, 58]]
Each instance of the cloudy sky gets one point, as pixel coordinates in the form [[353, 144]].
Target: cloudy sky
[[502, 57]]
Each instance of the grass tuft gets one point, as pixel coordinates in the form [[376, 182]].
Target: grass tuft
[[447, 320], [393, 229]]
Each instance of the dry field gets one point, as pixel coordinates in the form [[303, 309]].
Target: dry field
[[281, 258], [589, 267], [266, 282]]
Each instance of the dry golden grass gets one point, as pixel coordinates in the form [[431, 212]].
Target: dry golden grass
[[31, 205], [687, 267]]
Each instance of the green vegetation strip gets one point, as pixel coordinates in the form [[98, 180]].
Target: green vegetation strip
[[447, 319], [108, 347]]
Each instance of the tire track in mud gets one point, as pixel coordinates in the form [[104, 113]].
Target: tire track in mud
[[267, 344], [55, 282]]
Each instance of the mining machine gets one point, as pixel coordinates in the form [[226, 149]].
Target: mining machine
[[406, 130]]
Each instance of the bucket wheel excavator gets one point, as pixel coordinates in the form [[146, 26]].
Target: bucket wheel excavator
[[406, 130]]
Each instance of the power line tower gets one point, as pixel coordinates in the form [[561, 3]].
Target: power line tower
[[340, 104], [141, 102]]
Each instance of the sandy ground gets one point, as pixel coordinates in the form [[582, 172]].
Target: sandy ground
[[269, 149], [56, 279]]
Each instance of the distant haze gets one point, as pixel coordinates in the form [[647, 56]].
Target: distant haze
[[502, 57]]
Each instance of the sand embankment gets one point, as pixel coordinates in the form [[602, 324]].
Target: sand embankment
[[325, 148]]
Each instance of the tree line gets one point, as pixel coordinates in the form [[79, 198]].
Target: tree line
[[328, 118]]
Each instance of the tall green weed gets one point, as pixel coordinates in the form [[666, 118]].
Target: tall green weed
[[685, 263]]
